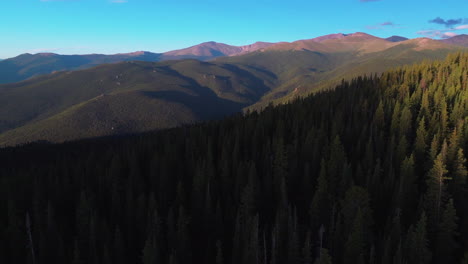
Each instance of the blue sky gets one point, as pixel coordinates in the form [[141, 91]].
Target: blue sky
[[113, 26]]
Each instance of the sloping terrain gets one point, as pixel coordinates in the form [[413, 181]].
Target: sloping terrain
[[28, 65], [211, 50], [459, 40], [376, 166], [133, 97], [307, 66], [124, 98], [396, 38]]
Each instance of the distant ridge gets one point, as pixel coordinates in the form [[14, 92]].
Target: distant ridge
[[28, 65], [356, 42], [330, 36], [210, 50], [459, 40], [396, 38], [132, 96]]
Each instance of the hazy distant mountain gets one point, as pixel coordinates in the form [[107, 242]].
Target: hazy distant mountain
[[304, 66], [459, 40], [210, 50], [133, 97], [28, 65], [330, 36], [358, 42], [396, 38], [125, 97]]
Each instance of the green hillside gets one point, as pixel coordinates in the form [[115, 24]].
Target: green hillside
[[374, 171], [135, 97], [28, 65], [124, 98], [315, 66]]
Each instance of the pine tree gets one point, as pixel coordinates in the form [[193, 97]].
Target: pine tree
[[150, 251], [460, 173], [320, 207], [355, 245], [446, 244], [417, 243], [306, 250], [420, 145], [119, 247], [324, 257], [219, 253], [76, 254], [435, 190]]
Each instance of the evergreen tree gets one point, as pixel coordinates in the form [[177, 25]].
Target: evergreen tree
[[307, 249], [417, 243], [435, 190], [355, 246], [446, 244], [324, 257]]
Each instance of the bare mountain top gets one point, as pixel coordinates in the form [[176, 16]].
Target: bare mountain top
[[396, 38], [330, 36], [27, 65], [426, 44], [459, 40], [209, 50], [206, 49], [254, 47], [357, 42]]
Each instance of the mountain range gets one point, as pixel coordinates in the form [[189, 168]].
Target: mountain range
[[460, 40], [143, 91], [28, 65]]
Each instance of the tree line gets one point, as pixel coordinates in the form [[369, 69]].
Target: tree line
[[373, 171]]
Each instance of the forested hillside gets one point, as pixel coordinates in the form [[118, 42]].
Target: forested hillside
[[374, 171], [135, 97]]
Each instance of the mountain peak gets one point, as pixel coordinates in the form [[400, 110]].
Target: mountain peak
[[136, 53], [46, 54], [329, 36], [425, 43], [212, 49], [360, 34], [458, 40], [396, 38], [342, 36]]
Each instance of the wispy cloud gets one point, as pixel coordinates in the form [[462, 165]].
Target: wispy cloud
[[450, 27], [118, 1], [447, 23], [437, 33], [381, 25]]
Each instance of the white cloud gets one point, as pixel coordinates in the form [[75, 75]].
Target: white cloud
[[119, 1], [450, 34], [382, 25], [437, 33], [442, 33]]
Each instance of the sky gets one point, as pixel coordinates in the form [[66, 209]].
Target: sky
[[120, 26]]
